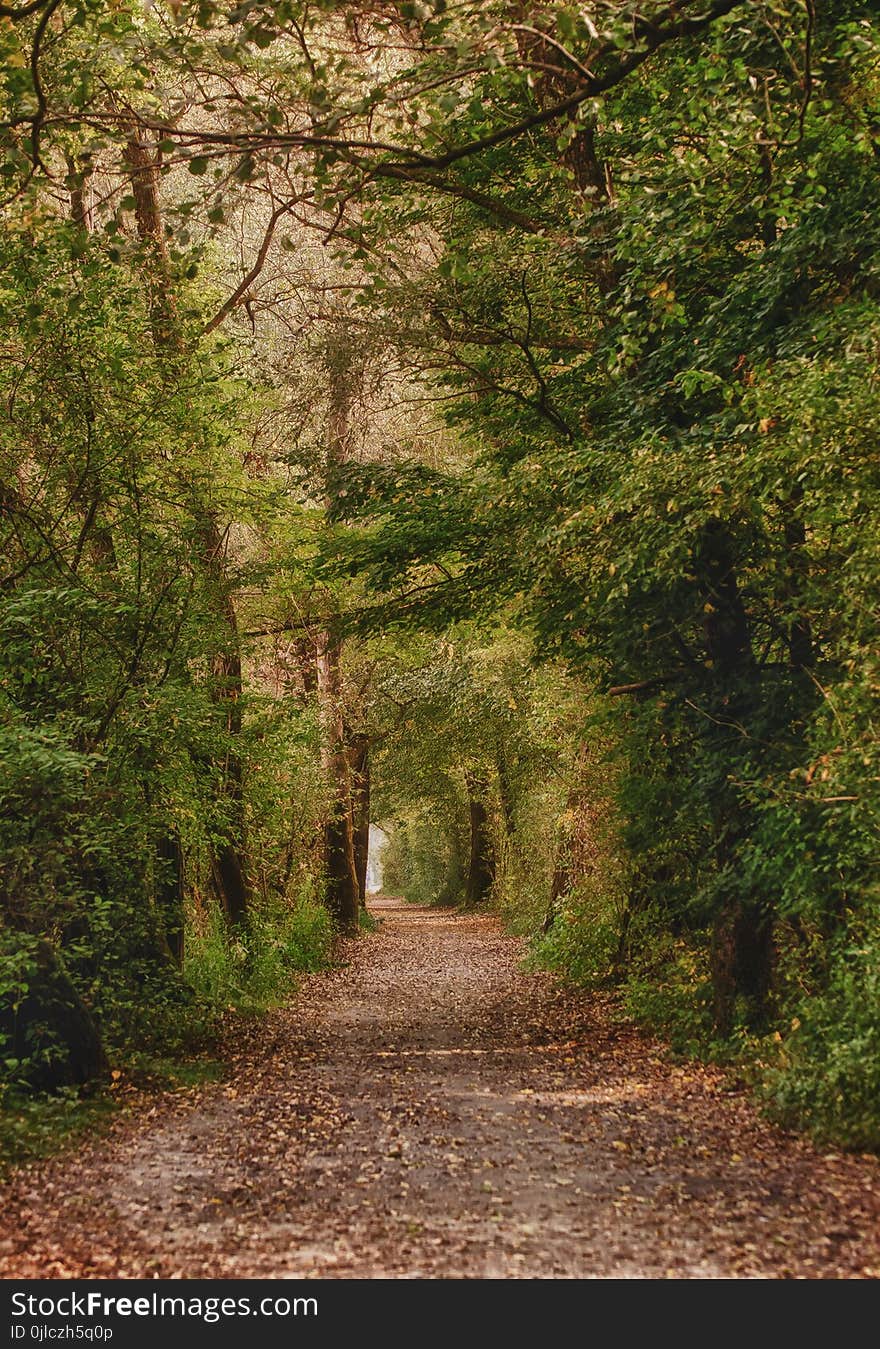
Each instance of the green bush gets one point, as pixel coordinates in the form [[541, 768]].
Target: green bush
[[257, 968], [18, 969], [668, 989], [582, 943], [828, 1077]]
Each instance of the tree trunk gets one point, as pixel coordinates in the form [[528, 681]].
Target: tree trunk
[[481, 867], [359, 760], [142, 162], [742, 954], [343, 891], [742, 934], [560, 886], [170, 892], [97, 538], [79, 176], [341, 877], [229, 868], [306, 657]]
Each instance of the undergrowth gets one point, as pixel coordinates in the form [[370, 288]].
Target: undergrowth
[[815, 1063], [178, 1047], [258, 969]]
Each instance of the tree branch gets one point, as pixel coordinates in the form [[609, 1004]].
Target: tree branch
[[241, 290], [10, 12], [668, 26], [416, 174], [641, 686], [651, 35]]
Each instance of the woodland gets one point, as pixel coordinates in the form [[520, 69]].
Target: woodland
[[459, 416]]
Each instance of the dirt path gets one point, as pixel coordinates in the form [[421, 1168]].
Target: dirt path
[[431, 1110]]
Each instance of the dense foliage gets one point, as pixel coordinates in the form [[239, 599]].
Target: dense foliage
[[113, 752]]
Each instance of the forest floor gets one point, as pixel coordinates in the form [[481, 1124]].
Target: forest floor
[[429, 1109]]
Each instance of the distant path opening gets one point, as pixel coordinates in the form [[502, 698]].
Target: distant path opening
[[378, 842]]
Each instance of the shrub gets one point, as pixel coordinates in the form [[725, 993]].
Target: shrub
[[257, 969], [828, 1078]]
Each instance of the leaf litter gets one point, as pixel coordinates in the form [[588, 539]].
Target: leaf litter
[[429, 1109]]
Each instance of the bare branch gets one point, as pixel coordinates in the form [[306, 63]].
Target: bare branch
[[247, 281], [641, 686]]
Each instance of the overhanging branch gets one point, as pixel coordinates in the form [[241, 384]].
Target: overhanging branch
[[251, 276]]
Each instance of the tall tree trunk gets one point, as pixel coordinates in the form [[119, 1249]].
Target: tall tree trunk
[[343, 898], [341, 877], [96, 538], [359, 759], [305, 655], [142, 161], [742, 936], [229, 868], [560, 886], [170, 892], [481, 866], [79, 177]]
